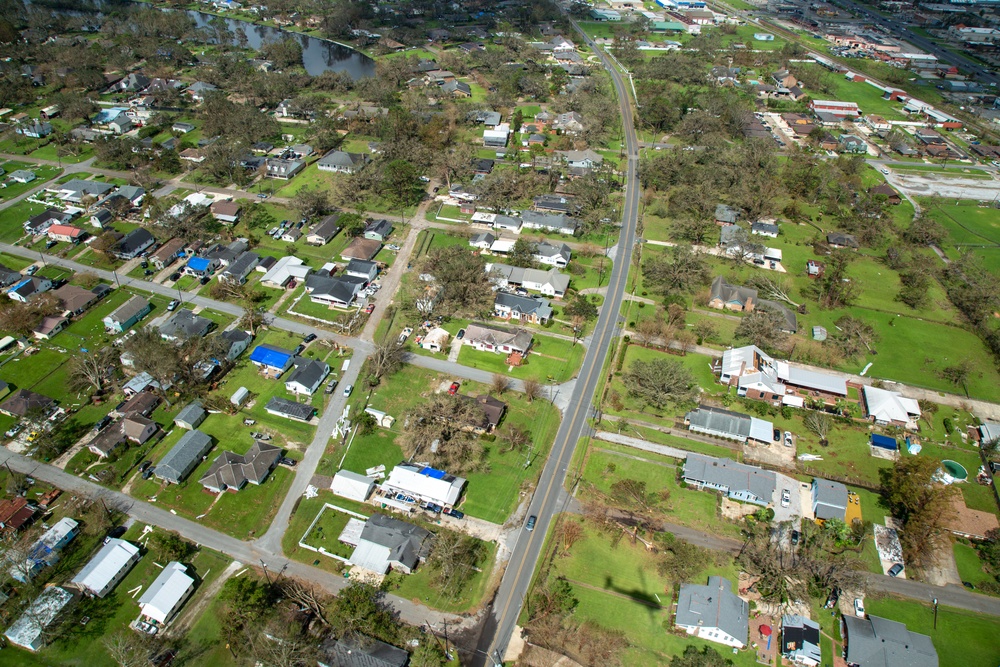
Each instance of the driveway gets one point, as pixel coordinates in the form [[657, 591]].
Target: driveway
[[794, 510]]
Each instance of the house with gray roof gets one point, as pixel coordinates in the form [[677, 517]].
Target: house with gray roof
[[240, 268], [133, 243], [879, 642], [282, 407], [237, 342], [737, 480], [726, 215], [558, 223], [231, 472], [724, 296], [713, 612], [28, 631], [728, 424], [127, 314], [39, 224], [378, 230], [360, 652], [551, 255], [585, 159], [324, 232], [768, 229], [76, 189], [183, 457], [338, 291], [829, 499], [387, 543], [800, 640], [342, 162], [482, 240], [185, 325], [191, 416], [730, 234], [359, 268], [494, 339], [307, 376], [533, 310]]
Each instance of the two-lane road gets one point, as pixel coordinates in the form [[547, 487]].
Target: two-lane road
[[548, 500]]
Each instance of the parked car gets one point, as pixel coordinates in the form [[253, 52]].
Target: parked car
[[786, 497], [455, 513], [969, 585], [895, 570], [299, 349], [114, 533], [859, 608], [51, 243], [148, 472], [13, 430], [431, 507], [777, 435], [285, 461], [148, 272], [530, 526], [310, 338], [175, 276], [370, 308], [461, 334], [145, 465], [796, 536], [331, 386], [104, 421], [788, 438], [262, 196], [204, 280], [31, 270], [33, 436], [453, 389], [348, 389]]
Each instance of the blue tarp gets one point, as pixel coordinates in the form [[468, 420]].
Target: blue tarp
[[433, 474], [198, 263], [884, 441], [274, 357]]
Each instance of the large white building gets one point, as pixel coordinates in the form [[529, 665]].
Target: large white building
[[425, 484]]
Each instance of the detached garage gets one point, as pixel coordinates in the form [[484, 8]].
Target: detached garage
[[352, 486]]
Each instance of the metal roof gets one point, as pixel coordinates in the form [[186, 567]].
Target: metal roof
[[714, 606], [114, 557]]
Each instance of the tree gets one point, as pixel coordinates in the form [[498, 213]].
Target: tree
[[925, 230], [819, 423], [853, 334], [774, 288], [247, 599], [631, 495], [679, 560], [454, 558], [385, 359], [581, 307], [312, 202], [522, 254], [517, 438], [105, 245], [660, 382], [499, 383], [438, 430], [678, 270], [570, 532], [466, 287], [152, 354], [360, 609], [428, 654], [706, 657], [279, 642], [959, 374], [532, 389], [170, 546], [921, 504], [128, 648], [87, 279], [92, 369], [763, 327], [835, 288], [401, 182]]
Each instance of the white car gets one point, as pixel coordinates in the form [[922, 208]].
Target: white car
[[859, 608], [786, 497], [788, 438], [884, 170]]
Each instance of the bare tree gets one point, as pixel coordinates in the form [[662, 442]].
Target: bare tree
[[517, 438], [570, 532], [649, 330], [499, 384], [92, 369], [441, 429], [128, 648], [306, 596], [820, 424], [278, 644], [532, 389], [773, 288], [385, 359]]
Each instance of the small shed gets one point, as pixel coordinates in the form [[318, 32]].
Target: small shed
[[381, 418], [352, 485], [191, 416], [240, 397]]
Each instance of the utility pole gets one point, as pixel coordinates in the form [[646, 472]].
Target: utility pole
[[935, 612]]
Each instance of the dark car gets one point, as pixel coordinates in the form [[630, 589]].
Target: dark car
[[175, 276], [796, 536], [895, 570], [299, 349], [148, 472], [204, 280], [456, 514], [461, 334], [969, 585], [104, 421], [51, 243], [310, 338], [431, 507], [148, 272], [530, 526], [777, 435], [145, 466], [115, 533], [285, 461]]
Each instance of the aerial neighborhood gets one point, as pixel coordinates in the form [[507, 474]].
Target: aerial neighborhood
[[612, 333]]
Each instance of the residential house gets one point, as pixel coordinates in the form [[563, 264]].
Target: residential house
[[761, 377], [738, 481], [191, 416], [482, 241], [40, 224], [127, 314], [199, 89], [324, 231], [360, 652], [35, 129], [15, 513], [227, 212], [46, 551], [889, 408], [386, 543], [185, 325], [140, 383], [133, 83], [184, 457], [552, 204], [491, 412], [134, 243], [800, 642], [361, 248], [435, 340], [237, 272], [167, 594], [482, 166], [878, 642], [726, 215], [850, 143], [107, 568], [23, 403], [549, 283], [231, 472], [339, 291], [493, 339], [49, 326], [551, 255], [829, 499], [768, 229], [272, 360], [74, 300], [713, 612], [9, 277], [570, 123], [21, 176], [456, 89], [29, 287], [307, 377], [286, 269], [29, 630], [291, 235], [76, 190], [585, 159], [530, 310], [237, 342], [342, 162], [359, 268], [724, 296], [378, 230], [558, 223], [727, 424], [888, 192], [283, 169], [835, 108], [282, 407], [140, 404], [841, 240]]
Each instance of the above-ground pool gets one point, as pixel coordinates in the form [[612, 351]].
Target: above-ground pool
[[953, 471]]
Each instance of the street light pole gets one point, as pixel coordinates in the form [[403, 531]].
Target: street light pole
[[935, 612]]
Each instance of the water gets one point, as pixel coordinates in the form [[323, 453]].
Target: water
[[318, 55]]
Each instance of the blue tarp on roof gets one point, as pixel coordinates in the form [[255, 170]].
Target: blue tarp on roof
[[198, 263], [268, 355], [884, 441], [433, 474]]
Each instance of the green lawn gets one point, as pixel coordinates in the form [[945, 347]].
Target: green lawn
[[12, 220], [969, 226], [867, 97], [961, 637], [11, 189], [970, 568], [550, 360]]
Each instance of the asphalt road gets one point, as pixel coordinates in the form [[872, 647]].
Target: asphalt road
[[548, 500]]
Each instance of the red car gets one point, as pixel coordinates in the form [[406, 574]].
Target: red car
[[370, 308], [453, 389]]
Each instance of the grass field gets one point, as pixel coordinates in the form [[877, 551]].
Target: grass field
[[970, 227], [970, 568], [866, 96], [550, 360]]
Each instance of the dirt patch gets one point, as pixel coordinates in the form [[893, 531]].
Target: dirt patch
[[735, 511], [210, 592], [775, 455]]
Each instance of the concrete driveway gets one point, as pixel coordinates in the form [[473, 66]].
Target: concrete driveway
[[794, 511]]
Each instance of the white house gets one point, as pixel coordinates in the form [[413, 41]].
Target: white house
[[28, 631], [284, 270], [352, 486], [713, 612], [890, 407], [107, 568], [425, 484], [167, 594], [307, 376]]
